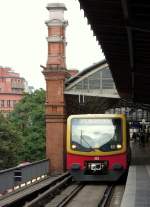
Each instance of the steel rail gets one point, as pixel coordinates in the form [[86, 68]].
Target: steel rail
[[107, 195], [24, 193], [67, 198], [48, 194]]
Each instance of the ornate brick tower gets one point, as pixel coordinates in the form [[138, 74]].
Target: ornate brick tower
[[55, 73]]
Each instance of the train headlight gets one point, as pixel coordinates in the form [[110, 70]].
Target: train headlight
[[74, 146], [116, 146], [119, 146]]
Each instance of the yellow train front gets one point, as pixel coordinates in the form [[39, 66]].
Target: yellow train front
[[97, 147]]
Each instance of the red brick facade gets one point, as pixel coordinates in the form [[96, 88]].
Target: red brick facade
[[11, 89], [55, 74]]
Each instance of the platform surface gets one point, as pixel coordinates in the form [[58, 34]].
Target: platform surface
[[140, 153], [137, 190]]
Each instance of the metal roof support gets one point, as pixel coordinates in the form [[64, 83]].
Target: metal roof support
[[127, 17], [81, 102]]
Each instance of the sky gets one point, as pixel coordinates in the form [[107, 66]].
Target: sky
[[23, 44]]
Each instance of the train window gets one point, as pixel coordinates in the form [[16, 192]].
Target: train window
[[96, 134]]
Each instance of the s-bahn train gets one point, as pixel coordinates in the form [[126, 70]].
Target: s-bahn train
[[98, 147]]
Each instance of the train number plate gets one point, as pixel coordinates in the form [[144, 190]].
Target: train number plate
[[97, 166]]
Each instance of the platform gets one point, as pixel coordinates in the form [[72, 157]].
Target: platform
[[137, 190], [140, 153]]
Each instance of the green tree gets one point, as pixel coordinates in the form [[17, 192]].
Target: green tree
[[10, 144], [29, 119]]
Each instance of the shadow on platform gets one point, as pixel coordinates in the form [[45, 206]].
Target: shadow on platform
[[140, 153]]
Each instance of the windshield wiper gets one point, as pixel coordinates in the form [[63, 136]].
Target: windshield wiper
[[82, 138]]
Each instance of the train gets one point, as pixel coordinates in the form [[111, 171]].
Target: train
[[98, 147]]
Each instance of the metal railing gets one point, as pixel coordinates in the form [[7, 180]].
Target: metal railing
[[13, 178]]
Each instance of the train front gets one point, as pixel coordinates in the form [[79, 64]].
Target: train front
[[97, 147]]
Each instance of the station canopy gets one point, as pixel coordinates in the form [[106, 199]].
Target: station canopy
[[122, 28], [91, 91]]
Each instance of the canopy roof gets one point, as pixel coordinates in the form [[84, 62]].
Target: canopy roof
[[122, 28]]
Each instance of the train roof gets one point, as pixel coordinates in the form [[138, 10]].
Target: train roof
[[97, 116]]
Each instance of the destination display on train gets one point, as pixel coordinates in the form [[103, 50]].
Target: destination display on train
[[92, 121]]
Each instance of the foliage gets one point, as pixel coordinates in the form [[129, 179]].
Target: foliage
[[29, 119], [11, 144]]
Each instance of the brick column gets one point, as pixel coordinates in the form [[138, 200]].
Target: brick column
[[55, 73]]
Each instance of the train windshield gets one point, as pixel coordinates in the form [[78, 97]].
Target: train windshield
[[88, 134]]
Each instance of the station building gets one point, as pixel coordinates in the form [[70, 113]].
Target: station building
[[92, 90], [12, 88]]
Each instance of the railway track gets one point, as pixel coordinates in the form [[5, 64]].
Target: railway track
[[106, 197], [61, 191], [97, 196], [79, 195], [19, 198]]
